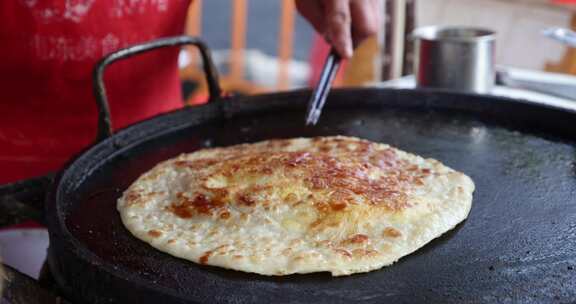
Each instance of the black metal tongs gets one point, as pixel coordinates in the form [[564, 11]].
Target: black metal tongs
[[320, 93]]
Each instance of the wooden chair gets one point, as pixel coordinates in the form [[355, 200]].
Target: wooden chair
[[234, 81], [567, 64]]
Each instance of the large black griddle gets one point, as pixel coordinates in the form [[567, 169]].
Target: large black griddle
[[517, 246]]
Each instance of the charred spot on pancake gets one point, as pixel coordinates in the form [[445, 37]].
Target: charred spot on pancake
[[343, 252], [204, 258], [186, 207], [391, 232], [357, 239], [133, 197], [246, 199], [291, 198], [338, 206], [195, 164], [361, 252], [154, 233]]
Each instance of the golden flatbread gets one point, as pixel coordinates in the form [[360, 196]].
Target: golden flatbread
[[337, 204]]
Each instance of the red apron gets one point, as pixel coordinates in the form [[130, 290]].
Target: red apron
[[47, 52]]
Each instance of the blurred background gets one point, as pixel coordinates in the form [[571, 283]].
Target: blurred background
[[262, 46]]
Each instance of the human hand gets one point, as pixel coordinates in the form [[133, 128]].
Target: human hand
[[343, 23]]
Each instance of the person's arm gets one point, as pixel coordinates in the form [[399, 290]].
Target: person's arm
[[343, 23]]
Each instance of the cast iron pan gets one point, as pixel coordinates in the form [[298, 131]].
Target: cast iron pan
[[518, 244]]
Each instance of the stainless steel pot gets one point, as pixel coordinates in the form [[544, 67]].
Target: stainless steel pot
[[457, 58]]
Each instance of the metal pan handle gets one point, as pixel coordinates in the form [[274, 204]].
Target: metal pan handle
[[104, 120], [23, 200]]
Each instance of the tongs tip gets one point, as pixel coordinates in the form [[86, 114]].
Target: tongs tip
[[312, 118], [319, 94]]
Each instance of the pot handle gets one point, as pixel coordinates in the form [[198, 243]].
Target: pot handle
[[23, 200], [104, 120]]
